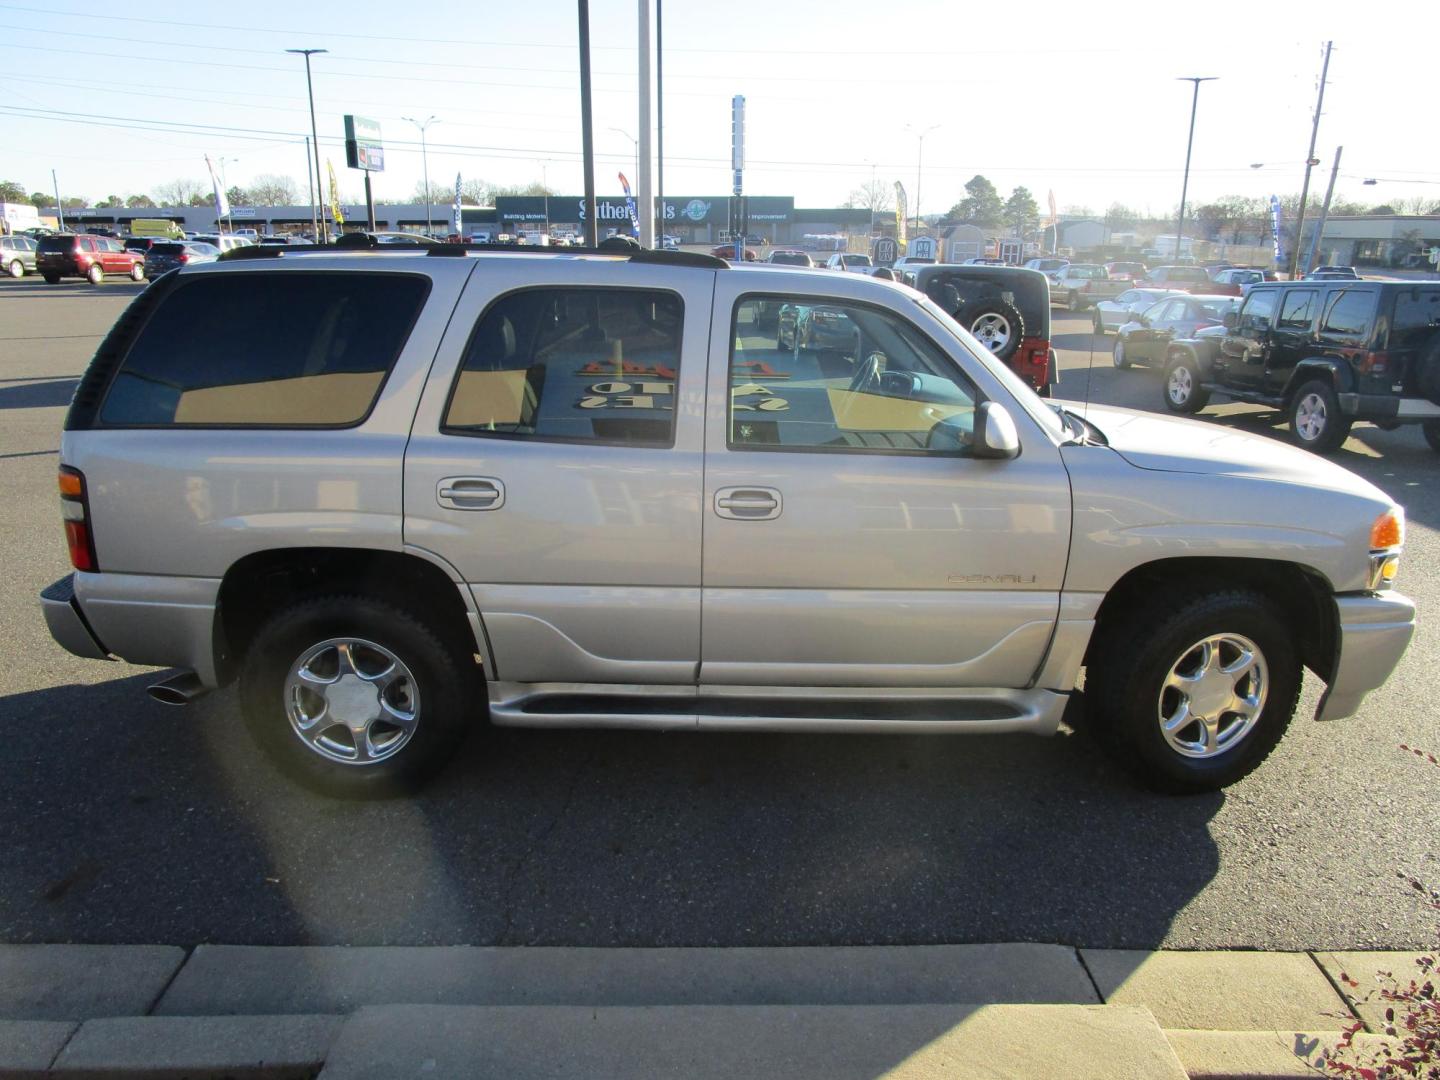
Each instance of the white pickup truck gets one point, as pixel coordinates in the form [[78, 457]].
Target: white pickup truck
[[1079, 285]]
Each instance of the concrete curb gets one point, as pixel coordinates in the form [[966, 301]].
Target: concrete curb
[[922, 1011]]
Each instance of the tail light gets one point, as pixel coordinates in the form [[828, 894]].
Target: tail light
[[75, 509], [1374, 363], [183, 257]]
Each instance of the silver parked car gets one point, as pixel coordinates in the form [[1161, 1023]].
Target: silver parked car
[[1110, 315], [17, 255], [444, 486]]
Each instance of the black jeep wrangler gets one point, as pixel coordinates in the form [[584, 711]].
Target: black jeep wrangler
[[1327, 353]]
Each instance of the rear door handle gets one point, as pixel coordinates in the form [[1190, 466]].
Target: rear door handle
[[470, 493], [748, 503]]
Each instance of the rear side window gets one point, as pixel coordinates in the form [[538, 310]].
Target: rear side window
[[322, 347], [1298, 310], [1417, 309], [572, 365], [1348, 315]]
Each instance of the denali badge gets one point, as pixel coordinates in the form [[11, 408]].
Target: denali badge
[[991, 579]]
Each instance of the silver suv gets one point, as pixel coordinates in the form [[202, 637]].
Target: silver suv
[[560, 488]]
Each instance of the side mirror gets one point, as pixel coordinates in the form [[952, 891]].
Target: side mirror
[[1232, 320], [995, 434], [1142, 320]]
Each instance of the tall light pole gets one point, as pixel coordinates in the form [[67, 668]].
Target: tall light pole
[[635, 143], [1310, 162], [1189, 145], [644, 194], [314, 134], [424, 162], [919, 166]]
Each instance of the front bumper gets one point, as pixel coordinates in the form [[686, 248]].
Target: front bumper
[[1375, 629], [67, 623]]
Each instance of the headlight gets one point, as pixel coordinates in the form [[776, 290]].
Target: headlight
[[1387, 536]]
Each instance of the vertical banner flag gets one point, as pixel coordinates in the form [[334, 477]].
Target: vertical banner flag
[[459, 227], [1054, 224], [334, 195], [1275, 227], [222, 204], [630, 204], [900, 214]]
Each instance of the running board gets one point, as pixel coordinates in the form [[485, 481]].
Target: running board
[[862, 710]]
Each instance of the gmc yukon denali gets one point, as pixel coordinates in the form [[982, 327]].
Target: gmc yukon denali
[[561, 488]]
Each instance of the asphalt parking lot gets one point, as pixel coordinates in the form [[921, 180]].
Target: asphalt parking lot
[[127, 821]]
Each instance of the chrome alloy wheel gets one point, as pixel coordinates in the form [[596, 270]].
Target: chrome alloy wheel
[[993, 331], [1310, 417], [352, 701], [1213, 695], [1179, 385]]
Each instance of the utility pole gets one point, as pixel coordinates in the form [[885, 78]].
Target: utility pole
[[660, 122], [1324, 213], [59, 206], [642, 147], [587, 133], [1189, 146], [1310, 162], [324, 234], [919, 169]]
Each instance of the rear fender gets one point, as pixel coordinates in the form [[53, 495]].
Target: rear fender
[[1339, 374]]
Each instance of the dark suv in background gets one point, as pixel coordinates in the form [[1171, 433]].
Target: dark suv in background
[[1327, 353]]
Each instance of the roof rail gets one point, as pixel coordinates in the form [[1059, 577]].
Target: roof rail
[[642, 255]]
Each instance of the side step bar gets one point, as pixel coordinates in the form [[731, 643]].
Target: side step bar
[[858, 710]]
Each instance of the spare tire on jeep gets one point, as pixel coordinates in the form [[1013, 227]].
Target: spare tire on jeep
[[1428, 377], [997, 324]]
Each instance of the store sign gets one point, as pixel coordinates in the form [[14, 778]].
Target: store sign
[[363, 147]]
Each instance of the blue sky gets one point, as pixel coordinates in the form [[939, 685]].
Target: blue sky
[[1075, 97]]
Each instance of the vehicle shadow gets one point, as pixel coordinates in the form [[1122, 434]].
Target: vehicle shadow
[[37, 394], [171, 827]]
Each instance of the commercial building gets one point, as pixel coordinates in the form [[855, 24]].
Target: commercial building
[[1395, 240]]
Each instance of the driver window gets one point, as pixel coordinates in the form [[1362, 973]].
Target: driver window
[[812, 374]]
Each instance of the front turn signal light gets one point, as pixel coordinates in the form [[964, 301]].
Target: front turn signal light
[[1388, 530]]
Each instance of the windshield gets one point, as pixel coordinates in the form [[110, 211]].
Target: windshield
[[1093, 272], [1045, 414]]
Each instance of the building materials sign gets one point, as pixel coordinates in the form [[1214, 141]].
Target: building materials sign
[[363, 148]]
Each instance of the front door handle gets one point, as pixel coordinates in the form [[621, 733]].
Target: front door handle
[[748, 503], [470, 493]]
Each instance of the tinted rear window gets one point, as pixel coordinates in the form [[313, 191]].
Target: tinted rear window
[[790, 260], [167, 249], [57, 243], [324, 345]]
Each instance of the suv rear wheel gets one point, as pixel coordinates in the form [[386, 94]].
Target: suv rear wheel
[[1316, 421], [95, 275], [1183, 392], [16, 268], [355, 697], [1194, 688]]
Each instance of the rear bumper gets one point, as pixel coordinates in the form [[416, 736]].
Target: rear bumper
[[1375, 629], [67, 623], [141, 618], [1385, 407]]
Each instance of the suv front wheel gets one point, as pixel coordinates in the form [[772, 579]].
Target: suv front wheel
[[354, 696], [1194, 688], [1316, 421]]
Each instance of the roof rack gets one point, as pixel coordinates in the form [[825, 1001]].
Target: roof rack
[[643, 255]]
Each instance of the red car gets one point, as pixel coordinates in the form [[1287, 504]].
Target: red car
[[1125, 271], [89, 257], [1192, 279], [727, 251]]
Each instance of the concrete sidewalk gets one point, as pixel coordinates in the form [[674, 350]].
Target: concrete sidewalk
[[958, 1011]]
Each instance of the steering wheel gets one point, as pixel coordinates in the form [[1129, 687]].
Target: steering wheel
[[867, 374]]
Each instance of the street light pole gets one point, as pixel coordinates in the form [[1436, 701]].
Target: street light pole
[[1189, 146], [634, 142], [315, 134], [424, 163], [919, 167], [1310, 162]]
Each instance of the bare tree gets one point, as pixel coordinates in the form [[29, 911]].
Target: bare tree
[[272, 189], [1417, 204], [877, 196], [179, 192]]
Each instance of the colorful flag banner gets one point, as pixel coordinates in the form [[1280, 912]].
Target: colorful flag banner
[[630, 204], [459, 228], [1275, 227], [900, 214], [222, 204]]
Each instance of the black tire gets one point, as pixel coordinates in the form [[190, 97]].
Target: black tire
[[1073, 301], [51, 279], [1181, 386], [96, 274], [1428, 370], [1431, 428], [16, 269], [1125, 694], [445, 680], [991, 317], [1097, 325], [1316, 422], [1118, 355], [137, 272]]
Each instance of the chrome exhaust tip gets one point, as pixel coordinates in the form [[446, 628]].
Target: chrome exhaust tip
[[181, 689]]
